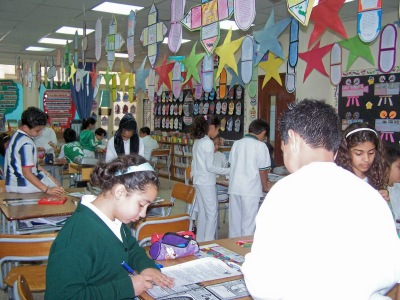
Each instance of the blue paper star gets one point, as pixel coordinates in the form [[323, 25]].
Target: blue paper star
[[141, 75], [235, 78], [267, 39]]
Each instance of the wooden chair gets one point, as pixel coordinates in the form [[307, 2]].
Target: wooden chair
[[15, 249], [82, 173], [188, 177], [161, 160], [148, 226], [21, 289], [185, 193]]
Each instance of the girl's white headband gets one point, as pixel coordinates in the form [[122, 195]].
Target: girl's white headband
[[132, 169], [361, 129]]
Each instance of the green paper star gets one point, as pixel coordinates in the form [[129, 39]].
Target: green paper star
[[191, 63], [357, 49], [107, 78]]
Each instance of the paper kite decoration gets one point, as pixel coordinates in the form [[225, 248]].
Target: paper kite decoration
[[163, 72], [191, 63], [153, 34], [206, 17], [123, 76], [271, 68], [246, 61], [226, 53], [98, 35], [245, 13], [301, 10], [141, 75], [267, 38], [369, 20], [130, 40], [175, 30], [357, 49], [313, 58], [326, 15], [107, 77], [114, 42], [76, 48]]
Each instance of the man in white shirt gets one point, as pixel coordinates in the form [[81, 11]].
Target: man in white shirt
[[321, 232], [47, 140], [148, 142]]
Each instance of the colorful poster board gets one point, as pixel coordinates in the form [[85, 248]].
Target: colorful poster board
[[60, 107]]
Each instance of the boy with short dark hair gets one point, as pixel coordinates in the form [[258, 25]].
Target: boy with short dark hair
[[149, 143], [22, 172], [72, 148]]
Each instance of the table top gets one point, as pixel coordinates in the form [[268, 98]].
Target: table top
[[229, 243]]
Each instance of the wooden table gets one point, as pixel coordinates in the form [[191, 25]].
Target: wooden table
[[229, 243]]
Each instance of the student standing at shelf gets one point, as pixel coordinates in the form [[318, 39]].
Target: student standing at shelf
[[22, 171], [250, 161], [125, 140], [204, 129], [95, 256], [87, 137], [322, 233], [149, 143]]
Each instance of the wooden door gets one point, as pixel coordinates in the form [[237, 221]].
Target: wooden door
[[272, 100]]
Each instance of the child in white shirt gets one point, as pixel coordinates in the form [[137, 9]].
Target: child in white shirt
[[393, 159]]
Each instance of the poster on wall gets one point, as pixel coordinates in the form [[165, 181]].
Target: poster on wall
[[9, 97], [372, 97], [58, 104]]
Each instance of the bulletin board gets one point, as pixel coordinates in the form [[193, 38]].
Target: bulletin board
[[372, 97]]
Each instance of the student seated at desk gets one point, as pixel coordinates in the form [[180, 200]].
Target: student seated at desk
[[87, 137], [23, 173], [47, 141], [85, 258], [72, 148], [149, 143]]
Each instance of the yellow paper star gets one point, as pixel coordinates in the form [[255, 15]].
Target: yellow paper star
[[72, 72], [123, 76], [226, 53], [271, 68]]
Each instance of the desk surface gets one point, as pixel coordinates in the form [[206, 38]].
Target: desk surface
[[229, 243]]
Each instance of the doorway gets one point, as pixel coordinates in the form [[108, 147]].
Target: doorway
[[272, 100]]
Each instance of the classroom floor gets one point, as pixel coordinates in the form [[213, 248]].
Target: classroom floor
[[164, 192]]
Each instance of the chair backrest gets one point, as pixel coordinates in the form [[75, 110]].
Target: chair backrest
[[188, 178], [185, 193], [160, 225], [22, 290], [85, 172]]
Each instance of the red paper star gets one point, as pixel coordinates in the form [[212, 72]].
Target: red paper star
[[93, 75], [163, 72], [314, 59], [189, 83], [326, 15]]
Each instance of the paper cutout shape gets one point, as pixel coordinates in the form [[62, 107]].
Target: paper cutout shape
[[271, 68], [114, 42], [176, 79], [387, 48], [207, 73], [290, 78], [253, 85], [84, 44], [294, 43], [301, 9], [151, 88], [130, 40], [141, 75], [222, 84], [107, 77], [79, 76], [245, 13], [369, 19], [67, 62], [314, 57], [206, 17], [153, 34], [131, 80], [163, 72], [175, 30], [58, 64], [114, 93], [326, 15], [226, 53], [336, 64], [235, 78], [246, 61], [76, 48], [97, 38], [198, 91], [123, 76], [357, 49], [267, 38], [191, 63]]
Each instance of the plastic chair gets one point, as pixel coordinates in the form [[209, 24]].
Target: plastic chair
[[24, 248], [161, 160], [148, 226], [21, 289]]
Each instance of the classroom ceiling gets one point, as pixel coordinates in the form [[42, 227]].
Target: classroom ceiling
[[24, 22]]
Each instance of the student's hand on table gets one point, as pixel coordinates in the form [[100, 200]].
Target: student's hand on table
[[385, 194], [56, 191], [159, 278], [141, 283]]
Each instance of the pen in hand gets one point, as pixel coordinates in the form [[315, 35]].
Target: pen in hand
[[128, 268]]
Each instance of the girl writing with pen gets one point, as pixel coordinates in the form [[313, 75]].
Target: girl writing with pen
[[94, 255]]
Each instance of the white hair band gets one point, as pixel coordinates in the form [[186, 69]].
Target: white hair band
[[132, 169], [361, 129]]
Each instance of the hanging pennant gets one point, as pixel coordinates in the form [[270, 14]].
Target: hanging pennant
[[207, 73], [76, 48], [336, 64], [97, 39], [253, 84], [294, 43], [131, 80], [151, 84], [84, 44], [387, 48], [245, 13], [246, 61], [290, 78], [114, 42], [130, 40], [176, 79], [301, 10], [369, 19], [222, 84], [175, 30]]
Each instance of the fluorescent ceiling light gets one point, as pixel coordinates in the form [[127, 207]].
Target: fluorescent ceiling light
[[116, 8], [122, 55], [54, 41], [72, 30], [165, 41], [31, 48], [317, 1], [227, 24]]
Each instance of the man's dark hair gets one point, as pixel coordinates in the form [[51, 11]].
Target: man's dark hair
[[100, 131], [259, 125], [145, 130], [315, 121], [33, 117], [69, 135]]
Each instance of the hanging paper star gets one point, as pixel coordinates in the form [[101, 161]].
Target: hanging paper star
[[107, 78], [313, 58], [271, 68], [357, 49], [141, 75], [123, 76], [191, 63], [80, 73], [326, 15], [93, 75], [72, 71], [235, 78], [226, 53], [163, 72], [267, 39]]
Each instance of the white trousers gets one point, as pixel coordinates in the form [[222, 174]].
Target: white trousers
[[206, 198], [242, 215]]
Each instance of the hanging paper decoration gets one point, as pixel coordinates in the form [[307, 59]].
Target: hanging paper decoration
[[336, 64], [123, 76], [357, 49], [79, 76], [301, 9], [51, 73], [369, 19], [18, 68], [226, 53], [271, 68], [98, 35], [235, 79], [223, 84], [84, 44], [267, 38], [326, 15], [387, 48], [175, 30], [30, 75], [131, 80], [114, 93], [95, 80], [206, 17], [141, 75], [207, 73], [176, 79], [290, 78], [294, 43], [191, 63], [130, 40], [153, 34], [313, 58], [107, 78], [245, 13], [246, 61], [163, 72], [58, 63], [253, 85], [67, 62], [114, 42], [76, 49]]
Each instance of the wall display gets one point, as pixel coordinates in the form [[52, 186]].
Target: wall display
[[58, 104], [372, 97], [9, 96], [121, 107]]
